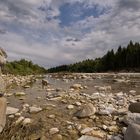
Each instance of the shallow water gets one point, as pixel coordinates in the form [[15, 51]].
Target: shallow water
[[92, 81], [60, 84]]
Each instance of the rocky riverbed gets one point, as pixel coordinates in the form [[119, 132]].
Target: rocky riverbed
[[73, 107]]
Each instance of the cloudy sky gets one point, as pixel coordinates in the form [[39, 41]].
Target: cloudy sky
[[54, 32]]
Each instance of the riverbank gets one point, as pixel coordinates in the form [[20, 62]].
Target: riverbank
[[71, 107]]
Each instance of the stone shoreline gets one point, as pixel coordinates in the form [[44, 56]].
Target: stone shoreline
[[73, 107]]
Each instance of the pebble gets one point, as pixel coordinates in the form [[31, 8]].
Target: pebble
[[20, 119], [18, 114], [86, 130], [34, 109], [20, 94], [70, 106], [104, 127], [53, 131], [78, 104], [27, 121], [51, 116]]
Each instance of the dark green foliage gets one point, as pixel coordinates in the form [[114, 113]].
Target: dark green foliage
[[23, 67], [123, 59]]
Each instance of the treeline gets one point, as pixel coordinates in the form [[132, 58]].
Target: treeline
[[125, 58], [22, 67]]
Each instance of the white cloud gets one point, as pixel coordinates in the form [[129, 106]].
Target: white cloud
[[28, 34]]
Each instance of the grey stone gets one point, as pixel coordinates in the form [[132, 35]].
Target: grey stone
[[119, 137], [132, 132], [84, 137], [132, 118]]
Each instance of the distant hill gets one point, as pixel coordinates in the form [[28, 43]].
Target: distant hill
[[124, 59], [23, 67]]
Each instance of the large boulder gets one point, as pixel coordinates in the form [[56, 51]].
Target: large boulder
[[132, 132], [3, 56], [86, 111], [134, 107], [131, 118], [11, 110], [3, 105]]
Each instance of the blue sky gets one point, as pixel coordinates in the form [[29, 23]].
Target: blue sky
[[71, 13], [55, 32]]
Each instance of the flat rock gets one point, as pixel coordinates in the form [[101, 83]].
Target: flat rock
[[86, 111], [132, 132], [20, 94], [11, 110], [34, 109], [84, 137]]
